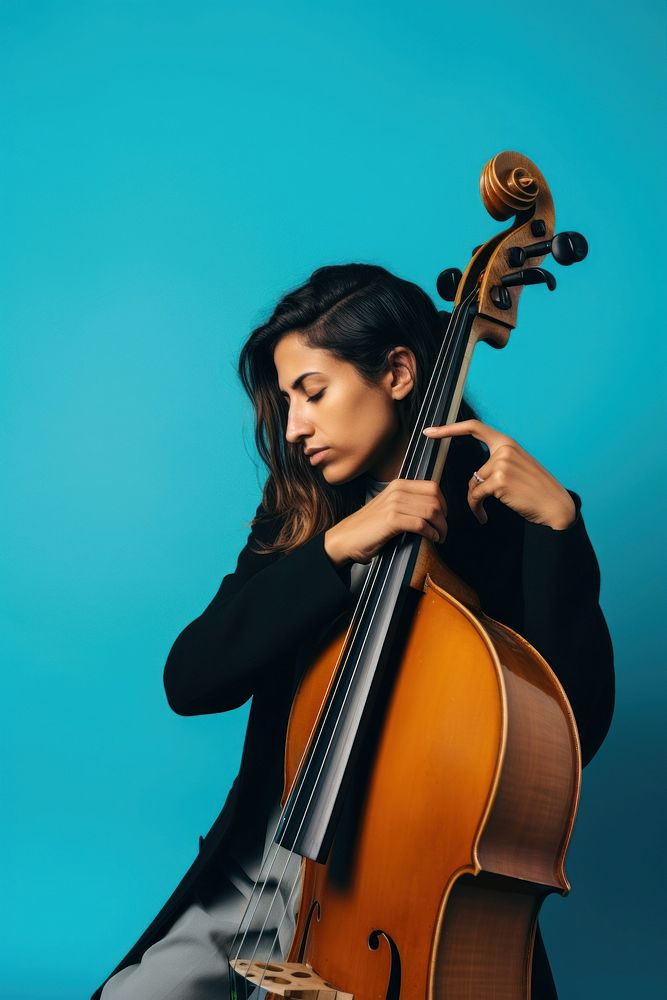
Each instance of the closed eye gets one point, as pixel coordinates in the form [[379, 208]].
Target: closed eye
[[313, 399]]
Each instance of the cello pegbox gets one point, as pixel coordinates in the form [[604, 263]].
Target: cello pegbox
[[510, 185]]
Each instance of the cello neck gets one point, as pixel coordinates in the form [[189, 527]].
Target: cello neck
[[308, 820], [425, 457]]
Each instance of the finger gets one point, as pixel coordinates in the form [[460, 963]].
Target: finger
[[430, 509], [475, 428], [434, 510], [477, 494], [436, 520], [420, 487], [485, 471], [420, 526], [477, 507], [413, 485]]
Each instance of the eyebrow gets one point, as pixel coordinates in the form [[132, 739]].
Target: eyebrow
[[297, 381]]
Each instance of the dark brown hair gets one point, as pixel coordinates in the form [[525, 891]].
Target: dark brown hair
[[359, 312]]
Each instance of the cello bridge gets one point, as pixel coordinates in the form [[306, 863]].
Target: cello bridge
[[288, 979]]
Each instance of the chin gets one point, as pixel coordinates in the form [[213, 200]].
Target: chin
[[338, 477]]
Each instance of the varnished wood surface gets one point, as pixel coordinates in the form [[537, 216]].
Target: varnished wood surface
[[538, 794], [500, 182], [428, 564], [448, 754], [485, 950]]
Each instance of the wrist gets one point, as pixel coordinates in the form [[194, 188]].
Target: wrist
[[333, 549], [565, 516]]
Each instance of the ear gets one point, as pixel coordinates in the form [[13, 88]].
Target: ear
[[402, 371]]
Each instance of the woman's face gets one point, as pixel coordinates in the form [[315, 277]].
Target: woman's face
[[332, 408]]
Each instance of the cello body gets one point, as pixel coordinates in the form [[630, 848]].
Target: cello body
[[469, 793], [432, 762]]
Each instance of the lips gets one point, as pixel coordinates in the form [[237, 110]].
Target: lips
[[315, 456]]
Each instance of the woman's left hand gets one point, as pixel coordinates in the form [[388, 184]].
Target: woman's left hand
[[513, 476]]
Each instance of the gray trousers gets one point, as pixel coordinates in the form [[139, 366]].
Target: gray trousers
[[191, 961]]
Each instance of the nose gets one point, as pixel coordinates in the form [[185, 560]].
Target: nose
[[298, 425]]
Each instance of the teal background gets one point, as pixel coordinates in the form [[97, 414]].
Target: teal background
[[168, 170]]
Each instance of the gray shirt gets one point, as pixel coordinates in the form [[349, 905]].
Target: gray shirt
[[358, 571]]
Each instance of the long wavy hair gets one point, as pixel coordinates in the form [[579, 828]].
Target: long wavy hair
[[359, 312]]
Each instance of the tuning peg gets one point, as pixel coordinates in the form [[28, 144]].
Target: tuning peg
[[516, 256], [448, 283], [530, 276], [567, 248], [500, 297]]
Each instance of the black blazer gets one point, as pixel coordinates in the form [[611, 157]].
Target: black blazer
[[543, 583]]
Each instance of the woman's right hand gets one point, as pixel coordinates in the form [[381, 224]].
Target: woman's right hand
[[415, 505]]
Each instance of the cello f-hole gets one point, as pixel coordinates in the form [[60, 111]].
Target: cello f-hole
[[394, 984], [314, 906]]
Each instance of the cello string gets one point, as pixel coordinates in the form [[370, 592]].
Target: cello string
[[336, 675], [413, 436], [276, 849], [276, 937], [448, 358], [276, 845]]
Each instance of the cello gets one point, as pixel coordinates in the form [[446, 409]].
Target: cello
[[432, 764]]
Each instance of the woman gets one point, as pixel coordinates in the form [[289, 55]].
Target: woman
[[336, 377]]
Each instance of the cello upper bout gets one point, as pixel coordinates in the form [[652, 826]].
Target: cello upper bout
[[429, 565]]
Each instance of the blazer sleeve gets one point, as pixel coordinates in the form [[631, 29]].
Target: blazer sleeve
[[562, 618], [256, 620], [545, 584]]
